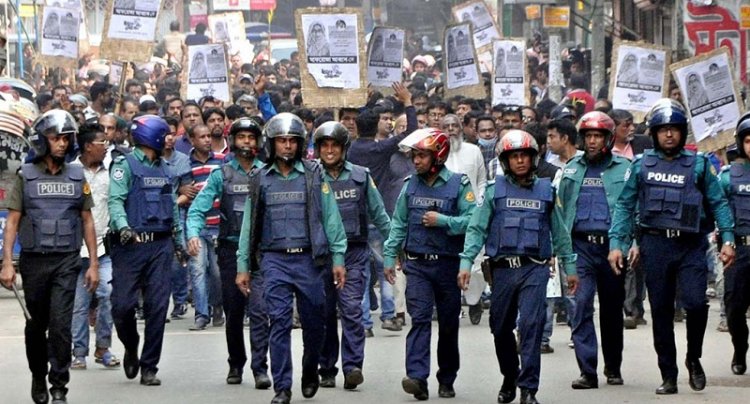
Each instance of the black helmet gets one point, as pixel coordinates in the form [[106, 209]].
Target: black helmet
[[283, 124], [332, 130], [667, 112], [245, 124], [743, 129], [53, 123]]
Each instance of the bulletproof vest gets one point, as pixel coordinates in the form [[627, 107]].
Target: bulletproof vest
[[668, 197], [351, 198], [150, 203], [442, 199], [521, 219], [739, 198], [286, 223], [592, 209], [232, 204], [51, 219]]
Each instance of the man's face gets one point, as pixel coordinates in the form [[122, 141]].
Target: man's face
[[669, 138], [109, 124], [528, 116], [209, 104], [293, 94], [470, 133], [174, 108], [451, 126], [746, 145], [512, 120], [191, 116], [462, 109], [106, 98], [236, 61], [201, 140], [594, 144], [58, 94], [519, 163], [129, 111], [250, 108], [385, 124], [435, 115], [422, 161], [400, 125], [349, 120], [135, 91], [286, 147], [623, 130], [421, 121], [58, 145], [245, 140], [331, 152], [97, 149], [554, 141], [675, 94], [498, 117], [246, 85], [215, 124], [271, 78], [486, 130], [420, 103], [170, 138]]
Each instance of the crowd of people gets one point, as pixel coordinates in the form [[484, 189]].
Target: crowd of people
[[260, 211]]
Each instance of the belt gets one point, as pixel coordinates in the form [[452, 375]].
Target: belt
[[667, 233], [514, 261], [425, 257], [742, 240], [290, 250], [227, 243], [149, 236], [598, 239]]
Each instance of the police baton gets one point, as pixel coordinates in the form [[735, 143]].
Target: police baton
[[20, 301]]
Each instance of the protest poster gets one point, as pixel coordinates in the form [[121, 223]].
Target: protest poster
[[510, 81], [129, 30], [640, 76], [482, 24], [710, 93], [385, 57], [227, 28], [207, 72], [60, 36], [461, 64], [332, 58]]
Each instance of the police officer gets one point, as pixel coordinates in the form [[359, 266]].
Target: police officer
[[230, 186], [143, 217], [359, 203], [589, 188], [678, 197], [291, 219], [518, 224], [51, 202], [429, 221], [735, 179]]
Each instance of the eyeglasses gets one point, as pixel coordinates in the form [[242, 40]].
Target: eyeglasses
[[437, 115]]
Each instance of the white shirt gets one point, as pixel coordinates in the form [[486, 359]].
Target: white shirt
[[98, 181], [468, 160]]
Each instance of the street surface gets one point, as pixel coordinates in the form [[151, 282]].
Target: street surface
[[193, 369]]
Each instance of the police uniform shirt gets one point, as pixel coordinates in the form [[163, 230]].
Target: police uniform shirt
[[15, 198]]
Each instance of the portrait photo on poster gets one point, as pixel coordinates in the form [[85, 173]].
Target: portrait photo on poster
[[639, 76], [482, 23], [60, 32], [207, 73], [134, 20], [509, 72], [385, 57], [331, 44], [462, 66]]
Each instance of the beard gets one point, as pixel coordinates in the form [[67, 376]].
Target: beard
[[456, 142], [59, 160]]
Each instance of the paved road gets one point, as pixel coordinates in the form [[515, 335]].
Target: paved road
[[194, 366]]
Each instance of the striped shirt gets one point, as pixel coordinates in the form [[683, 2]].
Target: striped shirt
[[199, 172]]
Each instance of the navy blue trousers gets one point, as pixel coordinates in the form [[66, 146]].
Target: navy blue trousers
[[432, 283], [594, 273], [287, 276], [235, 302], [146, 267], [519, 293], [671, 264], [737, 299], [349, 300]]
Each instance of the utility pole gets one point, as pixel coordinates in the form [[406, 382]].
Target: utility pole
[[598, 63], [555, 66]]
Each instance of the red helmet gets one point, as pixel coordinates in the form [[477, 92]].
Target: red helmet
[[597, 120], [430, 140], [517, 140]]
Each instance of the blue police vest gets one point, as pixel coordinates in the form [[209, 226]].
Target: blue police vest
[[442, 199], [669, 197], [521, 219], [232, 204], [150, 203], [51, 219], [592, 209], [351, 198], [286, 223], [739, 198]]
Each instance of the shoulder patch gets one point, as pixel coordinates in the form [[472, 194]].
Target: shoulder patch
[[118, 174], [470, 197], [464, 179], [325, 188], [86, 189], [711, 168]]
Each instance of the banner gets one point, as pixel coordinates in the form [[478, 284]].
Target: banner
[[207, 72], [509, 78], [711, 96], [640, 76], [60, 33], [482, 23], [385, 56], [129, 30]]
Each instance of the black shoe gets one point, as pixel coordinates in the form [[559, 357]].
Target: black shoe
[[148, 378], [528, 396], [630, 323], [130, 363], [475, 313], [446, 391], [282, 397], [58, 396], [369, 333], [415, 387], [39, 390], [353, 379], [585, 382], [613, 378], [697, 378], [506, 395], [199, 325], [327, 381], [262, 382], [561, 318], [679, 316], [217, 317], [178, 311], [546, 349], [669, 386], [391, 325], [309, 388], [739, 364], [234, 376]]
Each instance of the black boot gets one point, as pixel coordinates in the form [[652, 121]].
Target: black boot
[[585, 382], [528, 396], [739, 364], [697, 379], [668, 386], [39, 392]]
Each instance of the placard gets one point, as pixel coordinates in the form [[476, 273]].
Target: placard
[[332, 62], [227, 28], [461, 64], [207, 72], [640, 76], [509, 74], [129, 30], [483, 25], [60, 32], [711, 96], [385, 56], [556, 17], [115, 72]]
